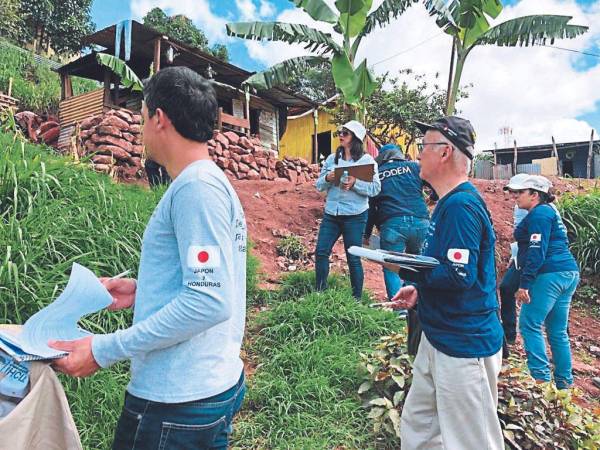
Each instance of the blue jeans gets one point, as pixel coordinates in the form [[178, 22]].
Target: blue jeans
[[351, 228], [401, 234], [550, 296], [195, 425], [508, 306]]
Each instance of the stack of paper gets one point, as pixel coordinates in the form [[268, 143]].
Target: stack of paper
[[83, 295], [416, 263]]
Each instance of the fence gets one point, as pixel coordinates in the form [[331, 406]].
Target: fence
[[488, 171]]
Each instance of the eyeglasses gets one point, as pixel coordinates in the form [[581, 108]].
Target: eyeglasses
[[421, 146], [343, 133]]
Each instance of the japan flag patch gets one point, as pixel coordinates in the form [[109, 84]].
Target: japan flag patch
[[458, 255], [536, 237], [204, 257]]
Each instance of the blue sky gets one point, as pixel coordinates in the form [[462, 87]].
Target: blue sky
[[107, 12]]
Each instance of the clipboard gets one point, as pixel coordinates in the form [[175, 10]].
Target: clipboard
[[362, 172]]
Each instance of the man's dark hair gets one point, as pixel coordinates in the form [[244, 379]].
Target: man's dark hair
[[186, 98]]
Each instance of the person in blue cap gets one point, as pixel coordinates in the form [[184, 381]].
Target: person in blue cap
[[401, 215], [453, 399]]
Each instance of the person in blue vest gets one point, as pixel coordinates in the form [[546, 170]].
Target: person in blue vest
[[548, 279], [453, 399], [346, 205], [399, 210]]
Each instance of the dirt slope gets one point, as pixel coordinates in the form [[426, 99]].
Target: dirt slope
[[274, 209]]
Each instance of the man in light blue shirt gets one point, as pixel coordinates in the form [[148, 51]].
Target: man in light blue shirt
[[184, 345]]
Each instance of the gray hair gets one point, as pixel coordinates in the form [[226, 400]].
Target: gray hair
[[460, 160]]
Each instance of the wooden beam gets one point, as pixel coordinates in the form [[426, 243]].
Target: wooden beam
[[515, 157], [555, 154], [107, 77], [247, 107], [316, 138], [219, 122], [157, 55], [590, 154], [10, 83]]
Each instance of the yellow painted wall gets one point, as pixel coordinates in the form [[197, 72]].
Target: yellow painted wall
[[297, 140]]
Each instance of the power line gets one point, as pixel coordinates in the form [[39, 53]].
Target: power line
[[571, 50], [409, 49]]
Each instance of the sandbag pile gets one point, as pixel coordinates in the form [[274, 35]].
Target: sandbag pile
[[245, 158], [37, 128], [114, 140]]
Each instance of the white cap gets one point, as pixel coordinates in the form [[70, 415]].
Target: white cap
[[535, 182], [516, 181], [357, 128]]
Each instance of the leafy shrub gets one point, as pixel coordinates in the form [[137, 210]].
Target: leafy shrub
[[581, 215], [291, 247], [533, 416]]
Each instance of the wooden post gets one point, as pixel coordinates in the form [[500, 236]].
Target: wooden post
[[10, 82], [316, 139], [219, 120], [555, 154], [247, 107], [590, 154], [515, 158], [107, 87], [157, 55]]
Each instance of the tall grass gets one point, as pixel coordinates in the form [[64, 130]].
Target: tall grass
[[581, 215], [35, 85], [303, 395]]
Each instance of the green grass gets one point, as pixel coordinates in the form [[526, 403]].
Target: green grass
[[35, 85], [308, 344]]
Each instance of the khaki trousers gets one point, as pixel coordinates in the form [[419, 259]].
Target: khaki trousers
[[452, 402]]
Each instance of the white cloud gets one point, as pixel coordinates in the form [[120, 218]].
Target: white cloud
[[267, 9], [247, 10], [534, 90], [197, 10]]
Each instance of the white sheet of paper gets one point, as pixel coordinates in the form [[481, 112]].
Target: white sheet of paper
[[83, 295]]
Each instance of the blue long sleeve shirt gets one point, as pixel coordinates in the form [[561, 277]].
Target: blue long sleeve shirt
[[457, 300], [190, 302], [354, 201], [543, 245]]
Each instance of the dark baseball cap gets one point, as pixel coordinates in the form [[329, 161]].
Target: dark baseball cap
[[459, 131]]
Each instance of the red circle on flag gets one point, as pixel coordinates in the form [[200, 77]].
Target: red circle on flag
[[457, 255], [203, 256]]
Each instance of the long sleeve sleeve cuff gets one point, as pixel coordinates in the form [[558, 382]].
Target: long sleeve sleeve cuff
[[107, 349]]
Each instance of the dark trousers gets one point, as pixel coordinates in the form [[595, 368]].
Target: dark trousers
[[196, 425], [351, 228], [508, 305]]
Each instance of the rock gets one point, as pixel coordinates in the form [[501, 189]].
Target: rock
[[239, 150], [262, 162], [281, 179], [219, 149], [136, 119], [135, 129], [129, 137], [233, 166], [226, 154], [105, 168], [137, 150], [595, 350], [248, 159], [223, 163], [292, 175], [253, 175], [302, 162], [302, 178], [241, 175], [292, 268], [236, 157], [222, 140], [272, 163], [50, 135], [596, 382], [103, 159], [136, 161], [279, 164], [246, 143], [113, 150], [232, 136], [107, 139], [211, 143], [229, 173], [271, 174], [123, 114], [90, 122], [115, 121], [47, 126], [85, 134], [109, 130], [264, 173], [256, 195], [243, 168]]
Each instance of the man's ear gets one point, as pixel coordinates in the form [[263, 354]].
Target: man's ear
[[162, 120]]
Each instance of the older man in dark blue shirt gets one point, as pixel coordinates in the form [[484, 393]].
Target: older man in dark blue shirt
[[453, 400]]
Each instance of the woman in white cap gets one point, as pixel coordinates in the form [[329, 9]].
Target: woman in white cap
[[548, 279], [346, 206]]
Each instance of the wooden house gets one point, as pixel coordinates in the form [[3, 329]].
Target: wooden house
[[262, 113]]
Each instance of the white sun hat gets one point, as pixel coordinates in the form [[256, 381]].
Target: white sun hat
[[357, 128]]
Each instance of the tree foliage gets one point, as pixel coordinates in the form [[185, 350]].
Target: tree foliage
[[57, 24], [316, 82], [182, 28], [10, 19]]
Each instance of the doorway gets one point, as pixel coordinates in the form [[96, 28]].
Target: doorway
[[324, 145], [567, 168]]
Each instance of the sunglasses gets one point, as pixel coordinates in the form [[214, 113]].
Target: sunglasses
[[343, 133]]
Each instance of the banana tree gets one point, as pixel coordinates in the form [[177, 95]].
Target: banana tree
[[352, 20], [467, 21], [127, 77]]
